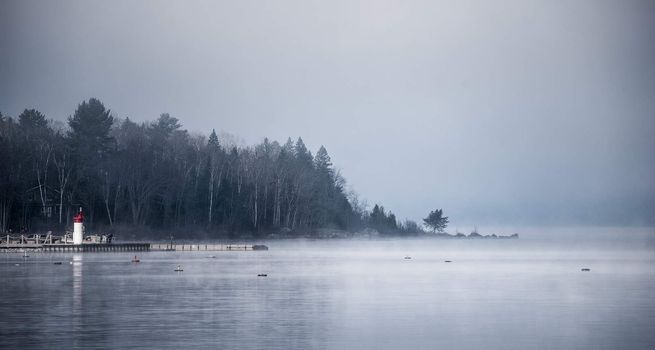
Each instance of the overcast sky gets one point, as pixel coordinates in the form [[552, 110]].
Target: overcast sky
[[500, 112]]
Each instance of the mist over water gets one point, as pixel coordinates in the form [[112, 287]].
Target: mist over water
[[528, 293]]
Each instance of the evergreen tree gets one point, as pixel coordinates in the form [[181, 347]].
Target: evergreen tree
[[303, 155], [91, 141], [216, 170], [391, 222], [322, 160], [89, 129], [436, 220], [167, 124], [213, 140], [39, 141], [31, 119]]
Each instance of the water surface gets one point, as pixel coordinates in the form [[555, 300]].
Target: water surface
[[340, 294]]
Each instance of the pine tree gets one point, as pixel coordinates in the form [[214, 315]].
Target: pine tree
[[90, 126], [322, 160], [301, 153], [436, 220], [215, 172], [91, 142], [213, 140], [31, 120]]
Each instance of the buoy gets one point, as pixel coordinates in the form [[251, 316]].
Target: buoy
[[448, 261], [408, 257], [57, 263], [262, 275], [586, 269], [136, 260], [178, 268]]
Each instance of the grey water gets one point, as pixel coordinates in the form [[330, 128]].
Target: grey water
[[528, 293]]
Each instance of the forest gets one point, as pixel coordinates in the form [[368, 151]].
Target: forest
[[152, 178]]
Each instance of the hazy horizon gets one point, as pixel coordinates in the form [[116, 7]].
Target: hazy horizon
[[527, 114]]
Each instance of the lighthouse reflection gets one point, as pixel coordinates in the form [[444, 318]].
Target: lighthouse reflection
[[77, 293]]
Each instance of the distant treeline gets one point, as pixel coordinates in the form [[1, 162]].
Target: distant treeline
[[158, 176]]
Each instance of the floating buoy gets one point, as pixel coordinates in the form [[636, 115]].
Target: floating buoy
[[136, 260], [178, 268], [262, 275], [57, 263], [447, 261], [584, 269]]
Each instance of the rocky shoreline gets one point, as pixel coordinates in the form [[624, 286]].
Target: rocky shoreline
[[371, 233], [475, 235]]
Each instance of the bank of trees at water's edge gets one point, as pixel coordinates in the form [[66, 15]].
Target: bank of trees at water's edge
[[158, 176]]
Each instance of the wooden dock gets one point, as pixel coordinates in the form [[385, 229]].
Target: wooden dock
[[91, 247], [94, 243], [206, 247], [86, 247]]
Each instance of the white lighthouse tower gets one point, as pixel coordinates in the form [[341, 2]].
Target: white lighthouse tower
[[78, 228]]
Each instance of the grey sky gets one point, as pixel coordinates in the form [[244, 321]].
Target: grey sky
[[505, 112]]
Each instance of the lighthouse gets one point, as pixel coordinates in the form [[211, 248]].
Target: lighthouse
[[78, 228]]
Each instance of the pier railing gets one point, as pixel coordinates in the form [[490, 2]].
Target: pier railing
[[52, 243], [205, 247], [23, 240]]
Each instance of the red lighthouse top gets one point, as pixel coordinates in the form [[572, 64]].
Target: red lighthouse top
[[79, 217]]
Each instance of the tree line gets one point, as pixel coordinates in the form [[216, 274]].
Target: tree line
[[157, 175]]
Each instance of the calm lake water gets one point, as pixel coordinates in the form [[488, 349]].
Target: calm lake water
[[343, 294]]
